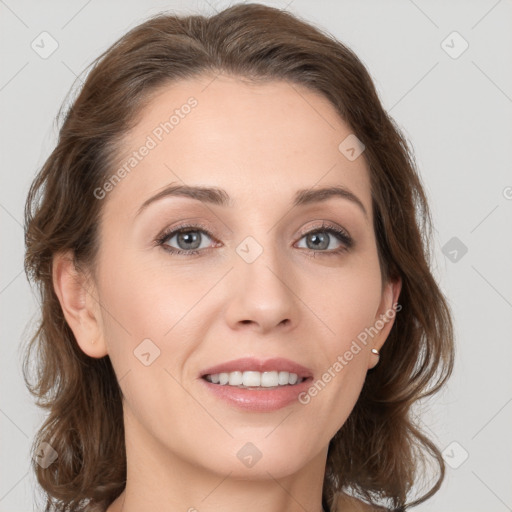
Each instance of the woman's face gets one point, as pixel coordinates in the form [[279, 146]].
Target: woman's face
[[250, 282]]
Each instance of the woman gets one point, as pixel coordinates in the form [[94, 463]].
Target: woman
[[231, 245]]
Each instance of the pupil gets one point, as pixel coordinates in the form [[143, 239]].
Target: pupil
[[189, 237], [323, 240]]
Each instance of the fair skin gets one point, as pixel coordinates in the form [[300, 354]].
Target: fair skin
[[260, 143]]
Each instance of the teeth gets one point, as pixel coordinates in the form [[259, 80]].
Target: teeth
[[254, 379], [235, 378]]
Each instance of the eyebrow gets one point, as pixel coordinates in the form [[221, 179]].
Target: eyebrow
[[220, 197]]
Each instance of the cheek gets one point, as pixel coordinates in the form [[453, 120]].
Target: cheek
[[149, 332], [349, 302], [154, 308], [348, 307], [147, 299]]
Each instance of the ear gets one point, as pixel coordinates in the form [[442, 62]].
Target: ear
[[385, 317], [79, 303]]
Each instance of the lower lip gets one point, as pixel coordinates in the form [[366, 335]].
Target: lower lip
[[258, 400]]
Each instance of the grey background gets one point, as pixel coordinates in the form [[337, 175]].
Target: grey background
[[457, 113]]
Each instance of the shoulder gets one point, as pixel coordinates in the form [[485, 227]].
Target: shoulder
[[346, 503]]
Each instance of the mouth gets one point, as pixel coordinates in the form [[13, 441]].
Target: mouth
[[255, 374], [255, 380], [254, 386]]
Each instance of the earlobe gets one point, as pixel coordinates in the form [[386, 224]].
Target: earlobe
[[79, 305]]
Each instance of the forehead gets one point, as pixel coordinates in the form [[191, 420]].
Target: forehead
[[259, 141]]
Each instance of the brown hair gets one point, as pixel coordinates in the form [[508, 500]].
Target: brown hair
[[378, 452]]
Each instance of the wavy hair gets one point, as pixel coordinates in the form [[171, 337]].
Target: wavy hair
[[378, 454]]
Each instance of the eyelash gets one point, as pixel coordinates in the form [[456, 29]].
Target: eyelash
[[340, 234]]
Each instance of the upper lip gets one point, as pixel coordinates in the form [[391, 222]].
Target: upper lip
[[259, 365]]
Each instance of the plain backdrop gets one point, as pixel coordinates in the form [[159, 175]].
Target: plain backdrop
[[443, 71]]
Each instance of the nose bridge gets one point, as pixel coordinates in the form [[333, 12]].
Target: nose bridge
[[262, 264], [263, 291]]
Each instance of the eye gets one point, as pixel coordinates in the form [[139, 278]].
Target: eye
[[189, 240], [320, 238]]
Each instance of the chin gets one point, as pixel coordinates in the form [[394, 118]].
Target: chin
[[257, 458]]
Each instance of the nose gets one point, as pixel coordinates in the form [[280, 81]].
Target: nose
[[262, 294]]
